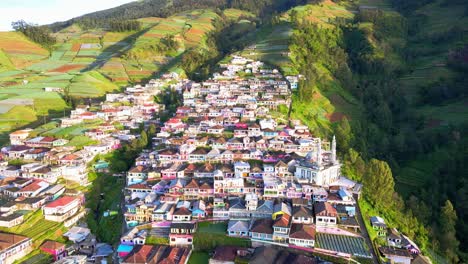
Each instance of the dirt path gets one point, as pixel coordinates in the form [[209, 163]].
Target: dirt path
[[365, 234]]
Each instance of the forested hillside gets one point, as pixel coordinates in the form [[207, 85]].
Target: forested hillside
[[393, 79], [165, 8]]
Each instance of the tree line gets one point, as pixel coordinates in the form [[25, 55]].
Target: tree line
[[36, 33], [165, 8]]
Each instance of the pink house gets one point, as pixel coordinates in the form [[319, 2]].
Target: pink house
[[56, 249]]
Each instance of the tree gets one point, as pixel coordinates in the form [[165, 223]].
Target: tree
[[38, 34], [143, 140], [448, 241], [378, 183], [344, 134]]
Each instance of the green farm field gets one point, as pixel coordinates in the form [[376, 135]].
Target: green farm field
[[90, 63]]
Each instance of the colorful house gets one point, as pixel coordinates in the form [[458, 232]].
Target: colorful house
[[54, 248], [238, 228], [378, 224]]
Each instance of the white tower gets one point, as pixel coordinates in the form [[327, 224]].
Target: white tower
[[333, 150], [319, 153]]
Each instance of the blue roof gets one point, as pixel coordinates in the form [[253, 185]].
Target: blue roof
[[124, 248]]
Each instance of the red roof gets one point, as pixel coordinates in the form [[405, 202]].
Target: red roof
[[283, 221], [62, 201], [173, 121], [70, 157], [301, 231], [48, 139], [141, 254], [34, 186], [139, 186]]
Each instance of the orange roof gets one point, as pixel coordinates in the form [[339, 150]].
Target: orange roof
[[19, 132], [49, 244], [283, 221], [141, 254]]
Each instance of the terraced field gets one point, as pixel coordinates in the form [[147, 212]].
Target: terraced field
[[21, 52], [345, 244], [89, 63]]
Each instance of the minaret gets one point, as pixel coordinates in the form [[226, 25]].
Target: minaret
[[319, 153], [333, 150]]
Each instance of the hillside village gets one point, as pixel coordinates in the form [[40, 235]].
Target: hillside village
[[224, 159]]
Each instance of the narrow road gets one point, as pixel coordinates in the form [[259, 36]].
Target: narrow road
[[365, 234], [124, 225]]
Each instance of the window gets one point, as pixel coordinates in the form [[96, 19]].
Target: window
[[189, 240], [173, 239]]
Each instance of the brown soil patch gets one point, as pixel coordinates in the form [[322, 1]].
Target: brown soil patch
[[153, 35], [316, 96], [120, 79], [67, 68], [335, 117], [196, 31], [76, 47], [9, 83], [21, 47], [137, 72]]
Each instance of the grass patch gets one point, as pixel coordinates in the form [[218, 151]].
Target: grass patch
[[215, 228], [199, 257], [81, 141], [210, 235]]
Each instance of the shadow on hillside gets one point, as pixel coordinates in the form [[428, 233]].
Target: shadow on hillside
[[164, 68], [115, 49], [41, 120]]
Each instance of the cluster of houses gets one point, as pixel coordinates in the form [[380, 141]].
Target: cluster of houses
[[36, 169], [223, 156], [399, 248], [25, 195]]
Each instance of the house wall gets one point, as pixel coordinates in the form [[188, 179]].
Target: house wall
[[261, 236], [303, 220], [8, 256], [325, 221], [182, 217], [180, 240], [302, 242], [238, 233]]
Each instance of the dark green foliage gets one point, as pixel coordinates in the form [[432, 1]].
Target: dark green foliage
[[313, 46], [407, 6], [379, 184], [124, 25], [344, 134], [386, 24], [448, 241], [107, 229], [164, 46], [228, 36], [38, 34], [170, 99], [165, 8]]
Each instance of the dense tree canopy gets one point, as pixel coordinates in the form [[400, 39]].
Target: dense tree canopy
[[38, 34]]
